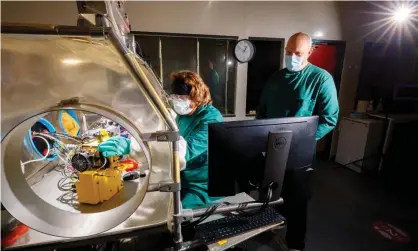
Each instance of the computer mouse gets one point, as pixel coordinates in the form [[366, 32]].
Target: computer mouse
[[131, 175]]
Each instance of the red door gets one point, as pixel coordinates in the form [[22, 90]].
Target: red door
[[324, 56]]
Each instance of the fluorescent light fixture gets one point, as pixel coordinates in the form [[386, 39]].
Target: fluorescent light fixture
[[71, 61], [401, 14], [318, 34]]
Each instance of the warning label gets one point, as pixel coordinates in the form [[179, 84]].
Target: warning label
[[391, 232]]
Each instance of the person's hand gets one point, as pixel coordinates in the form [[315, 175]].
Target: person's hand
[[115, 146]]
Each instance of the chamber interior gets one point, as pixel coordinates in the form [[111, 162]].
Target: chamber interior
[[55, 161], [39, 73]]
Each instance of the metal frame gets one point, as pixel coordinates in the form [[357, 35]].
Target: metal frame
[[141, 77], [235, 67]]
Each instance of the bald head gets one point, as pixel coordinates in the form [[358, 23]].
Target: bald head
[[300, 45], [301, 38]]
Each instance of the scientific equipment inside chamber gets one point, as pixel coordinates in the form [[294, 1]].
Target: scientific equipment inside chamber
[[62, 163]]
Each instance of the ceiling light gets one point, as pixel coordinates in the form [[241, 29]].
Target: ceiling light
[[318, 34], [71, 61], [401, 14]]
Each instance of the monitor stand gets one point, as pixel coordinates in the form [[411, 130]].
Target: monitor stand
[[278, 147]]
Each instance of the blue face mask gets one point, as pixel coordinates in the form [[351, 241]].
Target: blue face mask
[[294, 63]]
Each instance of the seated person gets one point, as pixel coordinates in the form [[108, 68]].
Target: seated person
[[192, 102]]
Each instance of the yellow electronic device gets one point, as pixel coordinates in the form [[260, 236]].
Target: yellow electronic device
[[95, 186], [99, 178]]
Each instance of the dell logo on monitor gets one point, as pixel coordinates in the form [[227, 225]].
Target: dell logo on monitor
[[280, 143]]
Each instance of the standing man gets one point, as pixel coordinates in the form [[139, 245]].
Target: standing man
[[212, 81], [301, 89]]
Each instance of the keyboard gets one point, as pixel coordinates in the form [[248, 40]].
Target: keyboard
[[231, 226]]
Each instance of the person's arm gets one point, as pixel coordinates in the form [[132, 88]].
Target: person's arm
[[197, 142], [328, 108]]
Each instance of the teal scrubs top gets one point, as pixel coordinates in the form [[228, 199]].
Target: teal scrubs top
[[194, 178], [305, 93]]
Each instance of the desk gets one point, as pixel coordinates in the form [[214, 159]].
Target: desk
[[392, 120]]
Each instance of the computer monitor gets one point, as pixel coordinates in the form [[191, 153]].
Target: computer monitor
[[249, 155]]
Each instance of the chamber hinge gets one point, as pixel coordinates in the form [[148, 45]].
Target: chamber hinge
[[162, 136], [164, 187], [69, 102]]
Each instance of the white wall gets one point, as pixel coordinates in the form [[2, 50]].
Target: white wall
[[61, 13], [242, 19]]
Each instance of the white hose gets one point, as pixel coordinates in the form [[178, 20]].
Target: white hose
[[44, 157], [53, 138], [68, 137]]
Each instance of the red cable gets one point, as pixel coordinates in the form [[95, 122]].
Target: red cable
[[14, 235], [130, 162]]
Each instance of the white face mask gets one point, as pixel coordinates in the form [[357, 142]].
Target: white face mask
[[294, 63], [181, 106]]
